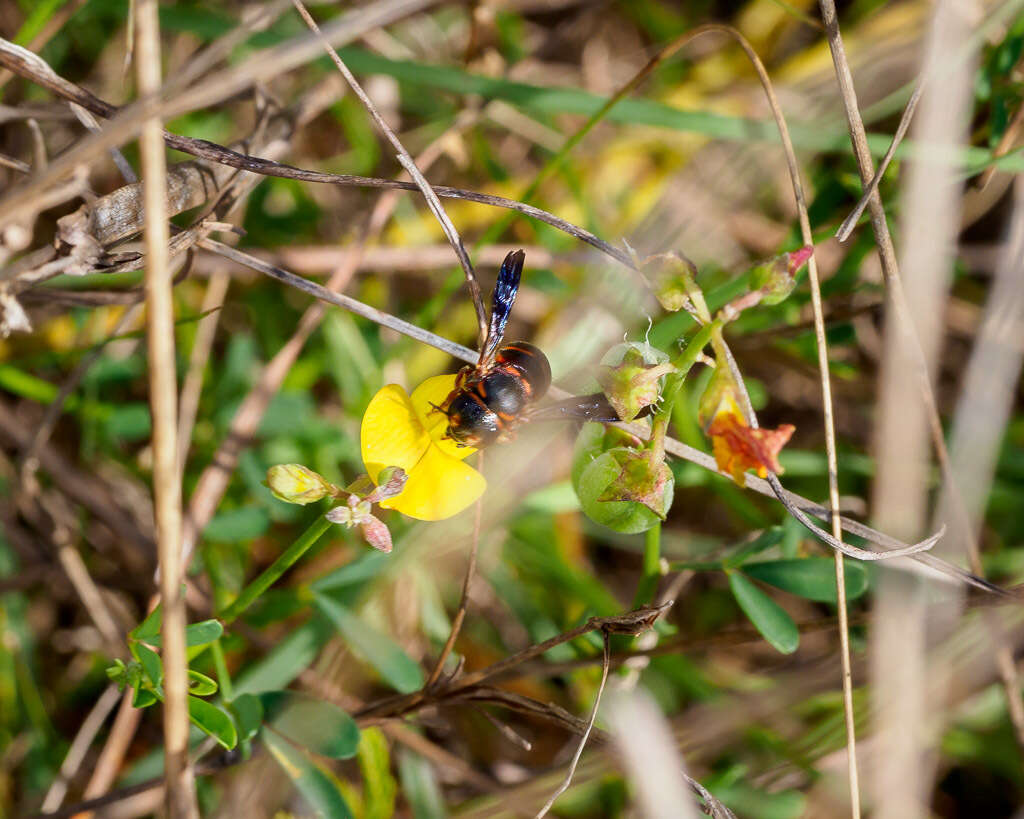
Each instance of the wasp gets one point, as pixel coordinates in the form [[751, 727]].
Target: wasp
[[500, 392]]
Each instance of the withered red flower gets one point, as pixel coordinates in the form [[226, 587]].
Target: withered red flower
[[738, 447]]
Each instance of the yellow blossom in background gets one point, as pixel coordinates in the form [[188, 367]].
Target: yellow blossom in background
[[406, 431]]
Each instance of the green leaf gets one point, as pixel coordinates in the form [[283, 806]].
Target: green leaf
[[150, 662], [310, 723], [238, 525], [196, 634], [143, 698], [810, 577], [286, 660], [379, 786], [395, 667], [118, 673], [129, 422], [199, 685], [768, 617], [419, 786], [358, 572], [202, 633], [148, 628], [248, 712], [317, 786], [213, 721], [764, 541]]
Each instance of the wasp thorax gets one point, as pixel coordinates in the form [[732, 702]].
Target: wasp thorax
[[470, 422]]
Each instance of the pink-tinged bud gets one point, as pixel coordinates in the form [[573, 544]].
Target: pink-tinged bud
[[390, 482], [634, 380], [295, 483], [798, 258], [777, 278], [376, 534]]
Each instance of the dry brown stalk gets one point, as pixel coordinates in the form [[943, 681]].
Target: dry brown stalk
[[79, 747], [192, 386], [163, 394]]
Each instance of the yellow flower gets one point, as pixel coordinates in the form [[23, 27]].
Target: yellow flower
[[406, 431]]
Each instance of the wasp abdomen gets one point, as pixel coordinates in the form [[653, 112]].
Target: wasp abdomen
[[504, 393], [530, 363]]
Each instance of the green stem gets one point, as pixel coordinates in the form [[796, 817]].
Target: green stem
[[270, 576], [651, 567], [223, 677], [683, 363]]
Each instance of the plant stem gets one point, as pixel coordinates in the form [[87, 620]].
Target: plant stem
[[223, 676], [651, 567], [273, 572]]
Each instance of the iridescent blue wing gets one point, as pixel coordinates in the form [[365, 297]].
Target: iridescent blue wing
[[505, 290]]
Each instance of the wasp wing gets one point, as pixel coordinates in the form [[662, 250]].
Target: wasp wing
[[504, 297], [593, 407]]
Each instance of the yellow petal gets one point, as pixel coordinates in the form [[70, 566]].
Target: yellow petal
[[434, 391], [439, 487], [391, 433]]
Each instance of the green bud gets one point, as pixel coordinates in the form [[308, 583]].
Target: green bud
[[672, 279], [639, 482], [295, 483], [634, 380]]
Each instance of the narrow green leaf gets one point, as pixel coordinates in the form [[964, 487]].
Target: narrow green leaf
[[764, 541], [286, 660], [358, 572], [379, 786], [419, 786], [199, 685], [213, 721], [310, 723], [810, 577], [316, 785], [395, 667], [248, 712], [768, 617]]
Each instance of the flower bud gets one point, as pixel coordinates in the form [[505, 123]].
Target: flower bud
[[630, 376], [295, 483], [640, 482], [777, 277], [672, 278]]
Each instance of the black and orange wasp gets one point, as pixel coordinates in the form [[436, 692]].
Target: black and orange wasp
[[500, 392]]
